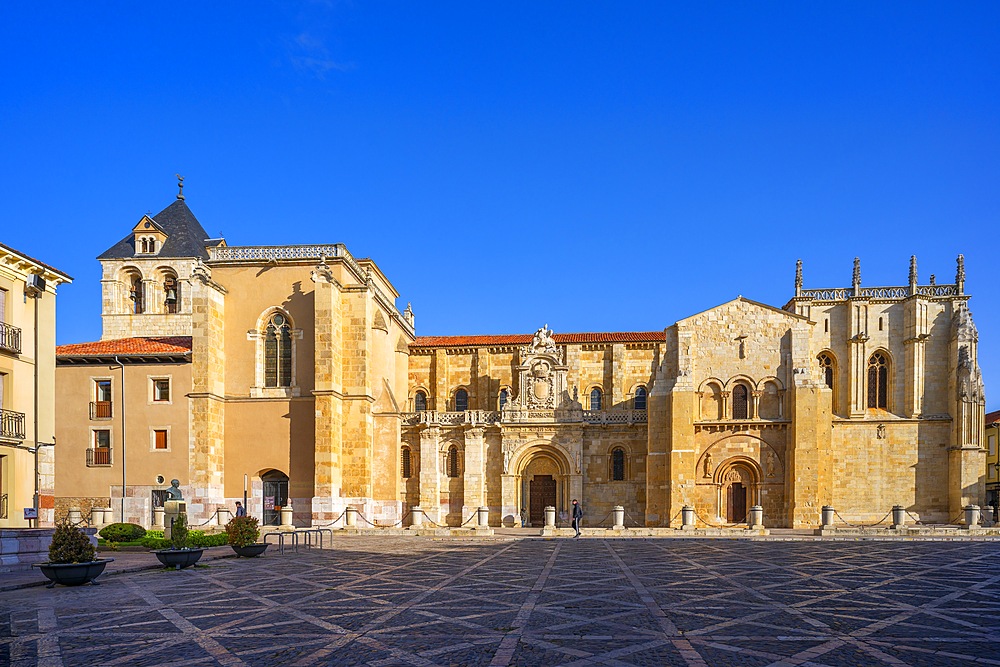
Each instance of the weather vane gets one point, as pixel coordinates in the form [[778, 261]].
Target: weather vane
[[180, 186]]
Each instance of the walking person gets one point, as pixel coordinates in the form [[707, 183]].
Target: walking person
[[240, 510], [577, 517]]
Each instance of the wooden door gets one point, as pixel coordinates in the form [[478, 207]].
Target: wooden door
[[736, 502], [541, 494]]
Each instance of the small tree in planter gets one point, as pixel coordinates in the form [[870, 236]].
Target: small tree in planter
[[179, 556], [243, 534], [71, 558]]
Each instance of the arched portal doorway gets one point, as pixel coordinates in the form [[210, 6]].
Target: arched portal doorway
[[275, 493], [544, 483], [739, 489]]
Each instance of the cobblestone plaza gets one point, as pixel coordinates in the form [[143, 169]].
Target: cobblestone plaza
[[416, 601]]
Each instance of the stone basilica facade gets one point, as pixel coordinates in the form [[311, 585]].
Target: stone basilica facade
[[288, 374]]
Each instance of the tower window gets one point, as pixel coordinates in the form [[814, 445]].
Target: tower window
[[741, 407], [640, 398], [878, 381], [420, 401], [503, 398], [618, 464], [461, 400], [453, 461], [278, 352], [826, 364], [595, 399], [405, 463]]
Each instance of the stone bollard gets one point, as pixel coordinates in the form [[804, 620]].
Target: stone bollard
[[687, 518], [971, 517], [109, 516], [827, 515], [96, 516], [618, 512], [755, 519], [286, 518], [987, 515], [75, 517], [483, 518], [224, 516], [158, 518], [550, 517], [416, 518], [351, 518], [898, 517]]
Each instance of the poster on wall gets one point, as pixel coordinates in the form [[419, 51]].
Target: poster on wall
[[269, 502]]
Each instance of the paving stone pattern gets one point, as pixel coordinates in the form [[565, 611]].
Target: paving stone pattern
[[415, 601]]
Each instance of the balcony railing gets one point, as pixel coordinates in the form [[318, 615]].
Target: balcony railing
[[10, 338], [100, 410], [98, 456], [11, 424]]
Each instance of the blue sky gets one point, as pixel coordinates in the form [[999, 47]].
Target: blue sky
[[595, 166]]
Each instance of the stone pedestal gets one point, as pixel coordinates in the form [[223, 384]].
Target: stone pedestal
[[157, 518], [550, 517], [350, 518], [826, 517], [171, 510], [687, 518], [755, 519], [618, 512], [483, 517], [96, 516], [224, 516], [109, 516], [416, 518], [286, 518], [75, 517], [972, 516], [898, 517]]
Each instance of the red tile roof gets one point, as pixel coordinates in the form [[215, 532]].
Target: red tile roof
[[524, 339], [169, 345], [992, 417]]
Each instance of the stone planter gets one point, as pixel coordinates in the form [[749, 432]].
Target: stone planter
[[179, 558], [250, 550], [73, 574]]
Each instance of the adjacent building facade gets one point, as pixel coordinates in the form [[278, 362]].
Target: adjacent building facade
[[27, 387], [288, 374]]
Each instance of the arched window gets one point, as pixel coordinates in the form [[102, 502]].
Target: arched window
[[878, 381], [617, 464], [595, 399], [136, 296], [461, 400], [420, 401], [826, 365], [453, 461], [405, 463], [741, 407], [278, 352], [504, 396], [640, 398], [171, 294]]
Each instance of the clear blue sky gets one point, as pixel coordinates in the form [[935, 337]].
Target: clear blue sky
[[595, 166]]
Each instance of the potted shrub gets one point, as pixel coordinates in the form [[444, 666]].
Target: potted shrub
[[243, 533], [179, 555], [71, 558]]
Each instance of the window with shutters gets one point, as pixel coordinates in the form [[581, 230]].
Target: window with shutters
[[160, 439]]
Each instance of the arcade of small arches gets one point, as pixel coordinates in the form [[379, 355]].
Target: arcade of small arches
[[740, 398], [160, 293]]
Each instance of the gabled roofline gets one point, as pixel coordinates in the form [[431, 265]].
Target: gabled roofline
[[750, 301]]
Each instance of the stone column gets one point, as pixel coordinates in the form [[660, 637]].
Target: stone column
[[858, 358], [327, 397], [474, 477], [430, 473], [756, 404]]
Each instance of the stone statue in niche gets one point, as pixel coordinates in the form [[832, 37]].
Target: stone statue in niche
[[771, 461], [880, 431], [708, 465]]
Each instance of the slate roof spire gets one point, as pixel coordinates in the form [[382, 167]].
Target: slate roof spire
[[185, 235]]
